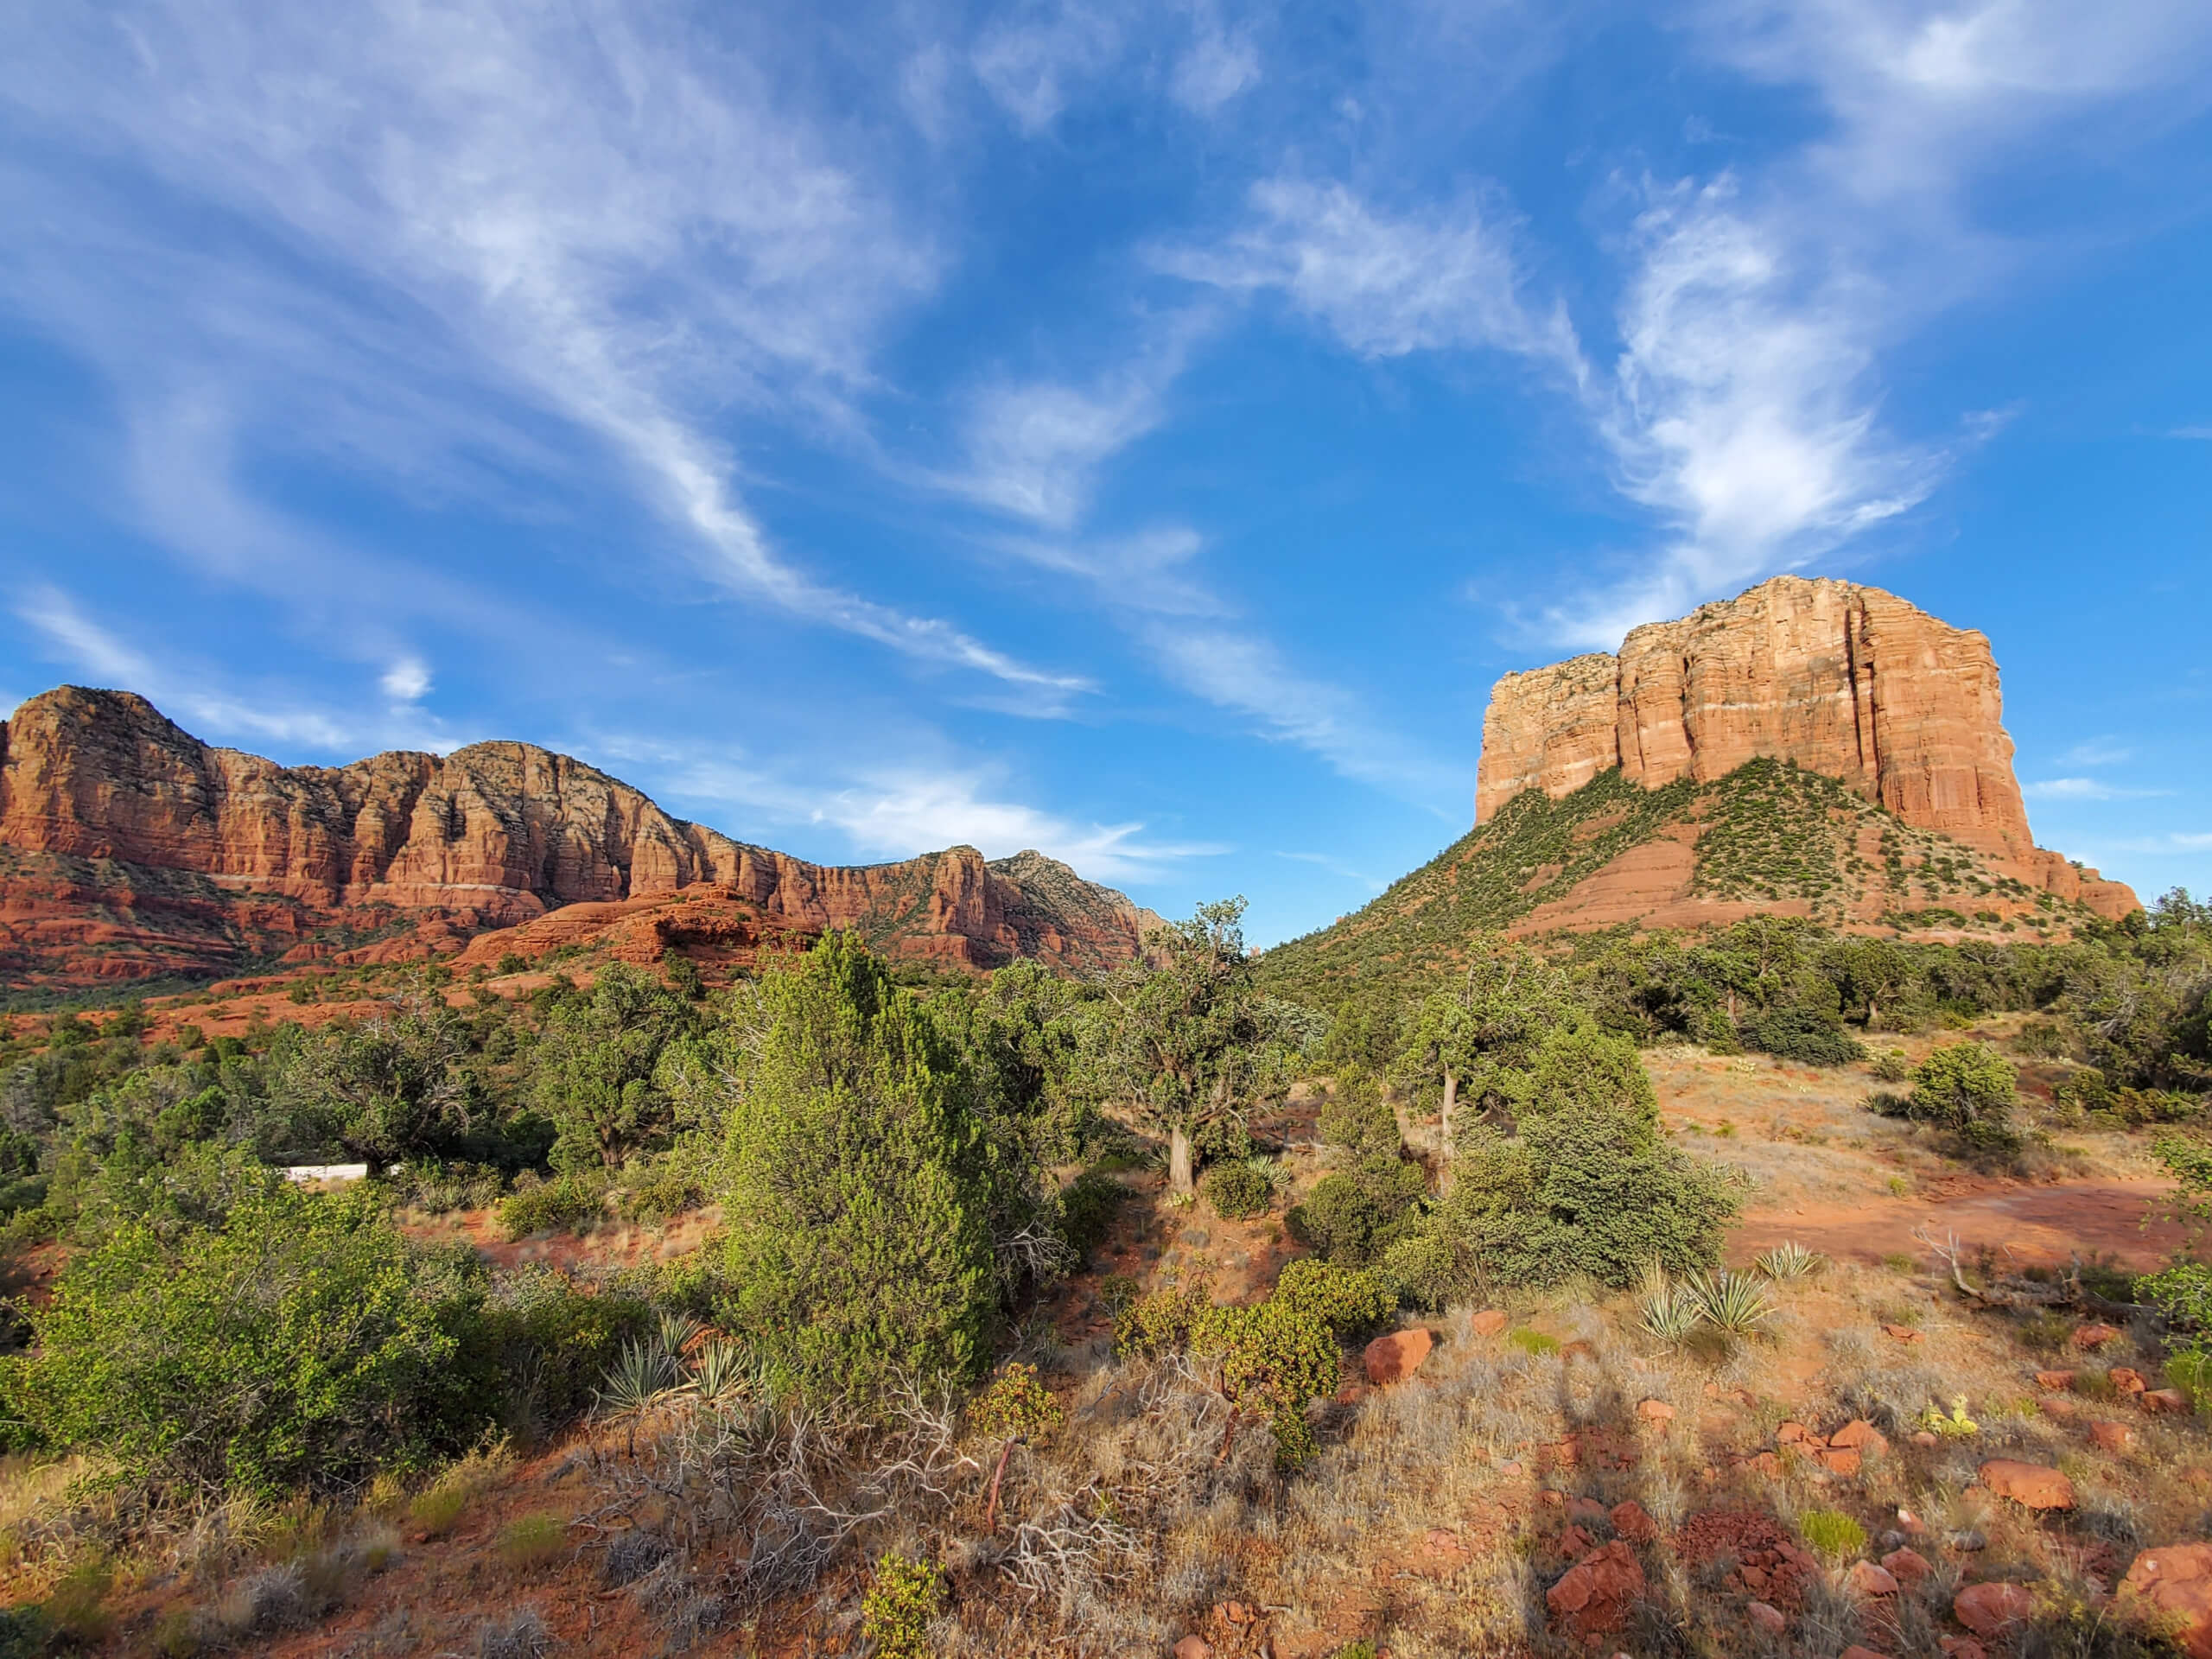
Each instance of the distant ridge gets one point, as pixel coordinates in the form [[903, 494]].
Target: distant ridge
[[130, 849]]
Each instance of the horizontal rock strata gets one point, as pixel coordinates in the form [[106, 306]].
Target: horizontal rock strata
[[121, 827], [1841, 679]]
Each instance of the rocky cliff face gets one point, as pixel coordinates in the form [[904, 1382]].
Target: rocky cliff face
[[116, 826], [1843, 680]]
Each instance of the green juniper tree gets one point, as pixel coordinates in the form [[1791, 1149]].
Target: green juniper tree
[[858, 1187], [1194, 1044], [597, 1065]]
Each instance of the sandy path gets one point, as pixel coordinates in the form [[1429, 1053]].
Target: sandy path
[[2039, 1224]]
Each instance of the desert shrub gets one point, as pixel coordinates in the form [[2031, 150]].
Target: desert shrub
[[1087, 1207], [1268, 1361], [1357, 1118], [1891, 1066], [533, 1540], [571, 1202], [537, 1342], [1831, 1533], [1733, 1304], [1347, 1301], [595, 1071], [1800, 1034], [518, 1635], [1534, 1344], [858, 1196], [1236, 1189], [1969, 1088], [900, 1605], [653, 1190], [1588, 1184], [306, 1344], [1789, 1260], [390, 1089], [1354, 1216]]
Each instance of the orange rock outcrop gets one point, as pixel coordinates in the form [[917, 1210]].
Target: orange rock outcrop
[[1842, 679], [119, 829]]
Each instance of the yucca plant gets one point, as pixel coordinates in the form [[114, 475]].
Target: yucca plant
[[1665, 1309], [720, 1371], [1734, 1304], [643, 1374], [677, 1332], [1789, 1260]]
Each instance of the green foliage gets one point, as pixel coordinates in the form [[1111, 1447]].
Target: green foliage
[[1272, 1361], [1014, 1406], [1355, 1215], [1268, 1361], [1236, 1189], [1891, 1066], [305, 1344], [596, 1064], [1087, 1207], [1587, 1186], [1831, 1533], [901, 1601], [858, 1185], [394, 1088], [567, 1202], [1192, 1042], [1534, 1344], [1968, 1087], [1799, 1034], [537, 1342], [1348, 1302]]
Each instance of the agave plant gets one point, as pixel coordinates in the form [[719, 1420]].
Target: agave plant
[[643, 1376], [1789, 1260], [1670, 1313], [720, 1371], [1734, 1304], [677, 1332]]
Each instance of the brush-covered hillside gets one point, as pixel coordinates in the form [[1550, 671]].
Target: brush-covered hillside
[[1771, 838]]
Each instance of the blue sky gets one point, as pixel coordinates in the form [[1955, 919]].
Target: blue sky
[[1142, 431]]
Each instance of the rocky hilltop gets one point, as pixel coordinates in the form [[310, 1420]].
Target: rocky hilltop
[[1843, 680], [128, 848], [1812, 748]]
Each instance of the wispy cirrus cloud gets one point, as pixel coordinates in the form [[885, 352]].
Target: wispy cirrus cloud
[[1385, 282], [194, 692], [2085, 788], [901, 811], [612, 219]]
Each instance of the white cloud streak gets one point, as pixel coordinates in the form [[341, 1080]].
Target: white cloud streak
[[1385, 284], [899, 812], [609, 218], [2085, 788], [189, 693]]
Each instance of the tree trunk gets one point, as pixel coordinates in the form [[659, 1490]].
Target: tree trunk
[[1451, 1099], [1179, 1159], [991, 1515]]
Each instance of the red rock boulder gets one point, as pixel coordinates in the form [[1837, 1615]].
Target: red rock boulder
[[1596, 1593], [1396, 1357], [1989, 1610], [2174, 1585], [2031, 1485]]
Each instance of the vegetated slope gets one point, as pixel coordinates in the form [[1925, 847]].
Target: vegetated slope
[[129, 851], [1769, 837]]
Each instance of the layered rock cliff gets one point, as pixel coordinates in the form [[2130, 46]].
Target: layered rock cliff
[[1841, 679], [131, 843]]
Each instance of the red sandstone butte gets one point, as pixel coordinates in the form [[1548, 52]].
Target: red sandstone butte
[[1842, 679]]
